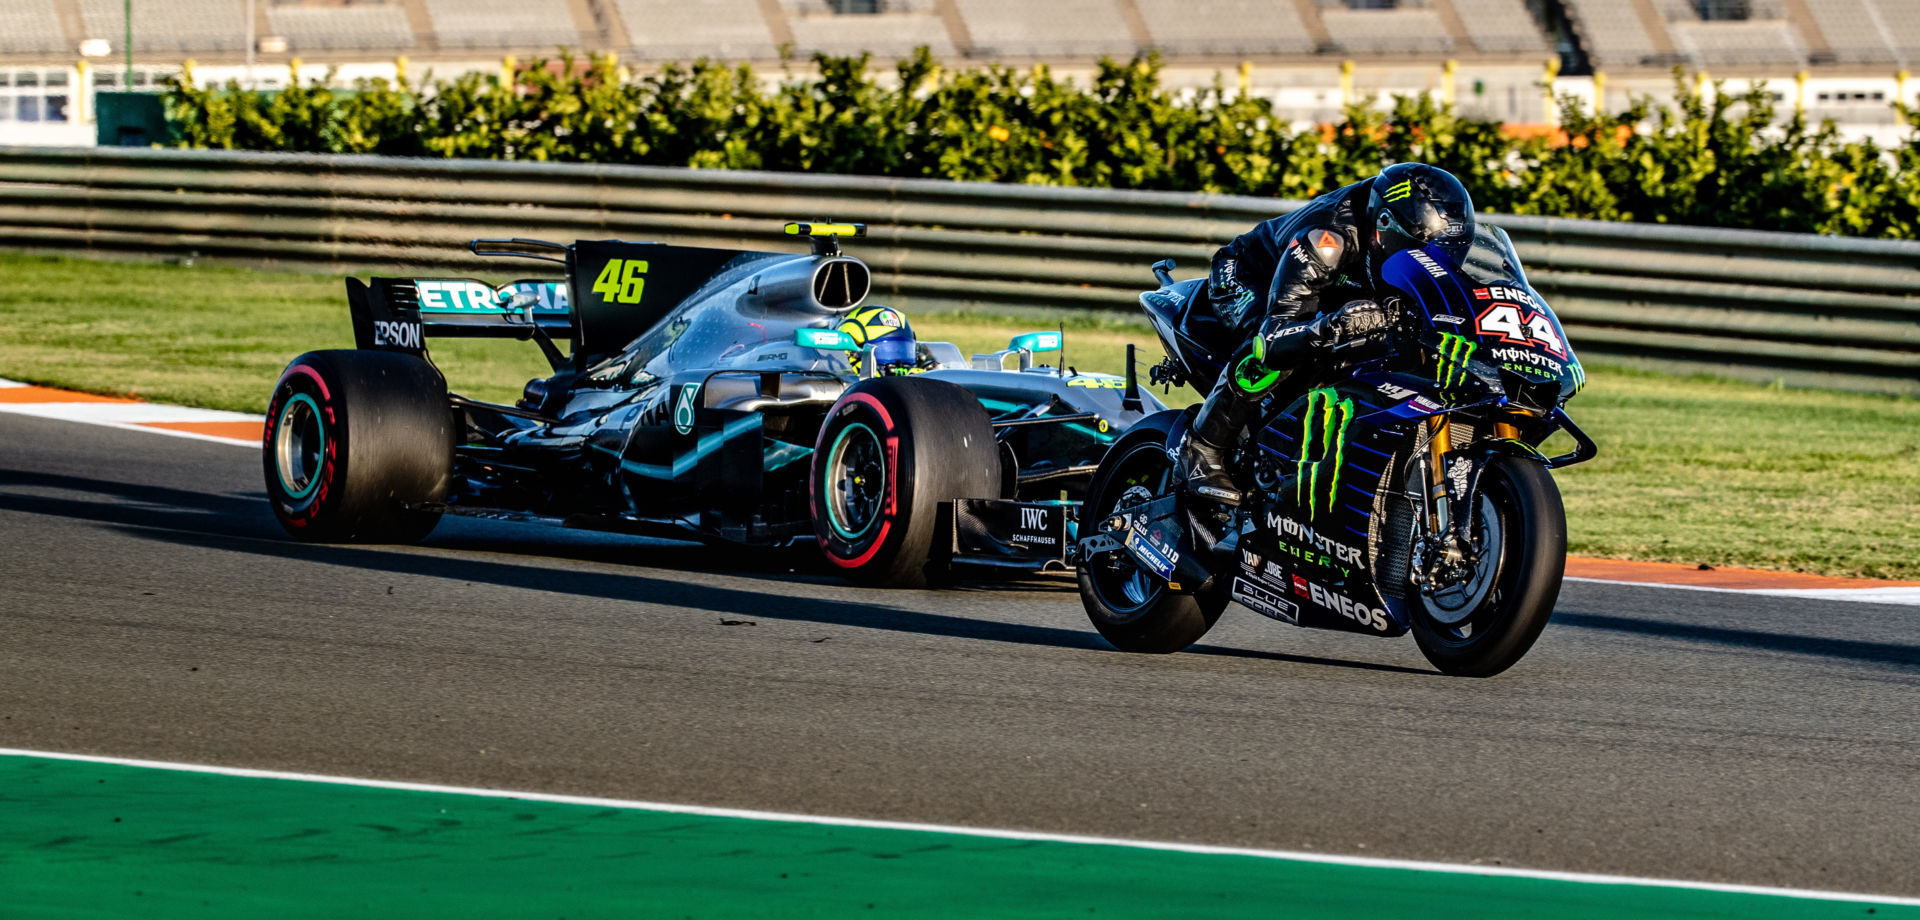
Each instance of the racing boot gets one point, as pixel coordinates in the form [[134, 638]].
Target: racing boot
[[1203, 454]]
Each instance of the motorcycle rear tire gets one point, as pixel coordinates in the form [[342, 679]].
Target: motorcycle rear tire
[[1164, 620]]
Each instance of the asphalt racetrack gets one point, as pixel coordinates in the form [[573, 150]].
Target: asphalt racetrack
[[151, 608]]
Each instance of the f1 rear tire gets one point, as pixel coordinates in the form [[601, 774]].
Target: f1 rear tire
[[890, 452], [357, 442]]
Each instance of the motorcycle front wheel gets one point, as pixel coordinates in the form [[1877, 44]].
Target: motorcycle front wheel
[[1480, 626], [1131, 608]]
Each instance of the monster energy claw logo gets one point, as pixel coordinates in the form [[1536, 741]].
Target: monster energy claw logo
[[1400, 192], [1455, 352], [1579, 376], [1328, 415]]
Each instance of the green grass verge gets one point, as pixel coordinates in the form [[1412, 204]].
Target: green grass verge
[[1691, 470]]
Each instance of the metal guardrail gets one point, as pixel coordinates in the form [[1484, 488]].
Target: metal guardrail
[[1809, 310]]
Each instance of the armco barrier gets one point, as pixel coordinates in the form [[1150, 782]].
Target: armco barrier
[[1818, 311]]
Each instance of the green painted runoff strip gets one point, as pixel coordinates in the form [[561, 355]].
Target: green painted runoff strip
[[81, 839]]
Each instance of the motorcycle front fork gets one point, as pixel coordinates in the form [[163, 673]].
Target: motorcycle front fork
[[1447, 504]]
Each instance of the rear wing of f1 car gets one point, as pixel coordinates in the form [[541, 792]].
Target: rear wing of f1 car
[[613, 292]]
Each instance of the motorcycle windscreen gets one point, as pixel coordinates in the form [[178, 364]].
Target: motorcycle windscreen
[[1486, 310]]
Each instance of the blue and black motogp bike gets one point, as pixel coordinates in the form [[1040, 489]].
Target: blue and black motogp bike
[[1400, 489]]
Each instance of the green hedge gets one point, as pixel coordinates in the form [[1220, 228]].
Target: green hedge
[[1710, 159]]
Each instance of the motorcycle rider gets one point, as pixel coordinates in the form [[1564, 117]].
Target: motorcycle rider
[[1331, 250]]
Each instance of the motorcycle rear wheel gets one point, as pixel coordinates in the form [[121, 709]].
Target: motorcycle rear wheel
[[1520, 509], [1133, 609]]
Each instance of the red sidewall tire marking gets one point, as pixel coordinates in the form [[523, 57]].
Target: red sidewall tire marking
[[305, 514], [891, 445]]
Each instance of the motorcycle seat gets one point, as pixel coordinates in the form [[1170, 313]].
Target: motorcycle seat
[[1199, 323]]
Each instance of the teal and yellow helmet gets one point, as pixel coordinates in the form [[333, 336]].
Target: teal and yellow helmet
[[888, 331]]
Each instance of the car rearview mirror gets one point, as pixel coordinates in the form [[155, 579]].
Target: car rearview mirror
[[1035, 342], [825, 340]]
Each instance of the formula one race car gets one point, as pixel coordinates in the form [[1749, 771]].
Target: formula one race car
[[706, 394]]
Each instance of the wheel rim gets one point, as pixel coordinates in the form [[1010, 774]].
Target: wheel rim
[[299, 446], [856, 482], [1118, 581], [1460, 612]]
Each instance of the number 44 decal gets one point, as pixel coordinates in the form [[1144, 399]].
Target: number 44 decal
[[1521, 328], [622, 280]]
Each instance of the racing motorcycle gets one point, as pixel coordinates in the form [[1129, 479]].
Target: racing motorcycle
[[1401, 488]]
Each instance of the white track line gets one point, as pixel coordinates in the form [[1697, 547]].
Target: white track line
[[994, 833], [132, 416], [127, 413], [1909, 597]]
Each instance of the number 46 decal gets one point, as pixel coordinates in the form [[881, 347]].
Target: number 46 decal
[[1511, 325], [622, 280]]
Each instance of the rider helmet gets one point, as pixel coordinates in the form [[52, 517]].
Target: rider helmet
[[889, 335], [1415, 206]]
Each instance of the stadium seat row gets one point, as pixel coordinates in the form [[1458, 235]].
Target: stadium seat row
[[1618, 34]]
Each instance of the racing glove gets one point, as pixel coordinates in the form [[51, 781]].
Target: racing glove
[[1357, 322], [1280, 342], [1231, 300]]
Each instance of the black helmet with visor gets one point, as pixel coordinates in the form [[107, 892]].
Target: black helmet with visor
[[1415, 206]]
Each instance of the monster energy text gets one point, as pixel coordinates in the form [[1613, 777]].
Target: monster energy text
[[1455, 352], [1325, 423]]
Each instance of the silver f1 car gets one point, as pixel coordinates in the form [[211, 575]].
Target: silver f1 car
[[708, 394]]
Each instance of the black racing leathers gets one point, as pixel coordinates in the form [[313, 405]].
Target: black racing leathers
[[1297, 259], [1281, 267]]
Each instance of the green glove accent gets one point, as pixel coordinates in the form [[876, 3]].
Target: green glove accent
[[1245, 381]]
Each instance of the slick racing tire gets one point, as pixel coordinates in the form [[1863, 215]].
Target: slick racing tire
[[356, 442], [1482, 627], [891, 451], [1131, 608]]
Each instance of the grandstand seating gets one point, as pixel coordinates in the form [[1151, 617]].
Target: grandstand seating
[[686, 29], [1868, 31], [1201, 27], [1770, 38], [1500, 26], [1387, 31], [502, 23], [1037, 28], [1738, 43], [30, 27], [173, 27], [341, 28], [1612, 33], [886, 35]]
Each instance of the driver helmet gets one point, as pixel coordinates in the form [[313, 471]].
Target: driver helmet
[[888, 331], [1416, 206]]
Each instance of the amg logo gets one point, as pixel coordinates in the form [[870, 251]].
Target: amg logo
[[397, 335], [1433, 268], [1033, 518]]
